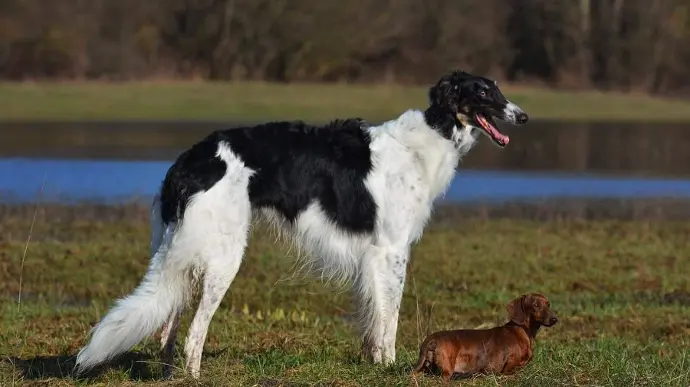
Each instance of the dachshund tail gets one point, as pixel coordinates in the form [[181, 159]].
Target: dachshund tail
[[426, 354]]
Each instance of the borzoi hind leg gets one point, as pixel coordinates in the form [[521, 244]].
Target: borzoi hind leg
[[168, 337], [222, 243], [219, 221], [217, 278]]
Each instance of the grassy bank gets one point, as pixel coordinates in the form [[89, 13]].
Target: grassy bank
[[620, 288], [260, 101]]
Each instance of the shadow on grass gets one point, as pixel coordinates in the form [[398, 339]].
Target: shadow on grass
[[139, 366], [435, 373], [136, 364]]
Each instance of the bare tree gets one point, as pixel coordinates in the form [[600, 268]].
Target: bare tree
[[621, 44]]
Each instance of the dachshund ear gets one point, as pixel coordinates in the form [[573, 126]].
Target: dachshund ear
[[516, 310]]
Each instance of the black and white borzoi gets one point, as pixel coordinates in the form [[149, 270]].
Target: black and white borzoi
[[354, 196]]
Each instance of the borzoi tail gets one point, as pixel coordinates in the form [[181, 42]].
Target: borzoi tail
[[162, 291]]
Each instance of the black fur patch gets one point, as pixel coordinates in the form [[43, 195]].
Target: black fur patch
[[442, 119], [461, 92], [295, 164], [195, 170]]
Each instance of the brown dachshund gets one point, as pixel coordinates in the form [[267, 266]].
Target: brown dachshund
[[500, 350]]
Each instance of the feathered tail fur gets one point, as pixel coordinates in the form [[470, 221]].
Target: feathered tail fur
[[162, 291]]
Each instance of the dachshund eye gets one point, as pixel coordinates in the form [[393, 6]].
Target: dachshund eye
[[482, 93]]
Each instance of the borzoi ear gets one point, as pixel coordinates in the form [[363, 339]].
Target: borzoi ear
[[448, 90], [435, 92], [439, 94]]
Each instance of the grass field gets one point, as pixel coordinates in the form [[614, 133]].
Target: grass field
[[260, 101], [621, 290]]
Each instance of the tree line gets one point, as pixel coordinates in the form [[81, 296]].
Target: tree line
[[641, 45]]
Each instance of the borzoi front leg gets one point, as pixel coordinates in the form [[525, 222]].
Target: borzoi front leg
[[370, 302], [376, 295]]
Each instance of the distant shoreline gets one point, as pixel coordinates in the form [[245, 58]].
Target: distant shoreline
[[251, 102]]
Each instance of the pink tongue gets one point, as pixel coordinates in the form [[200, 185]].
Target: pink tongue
[[493, 132]]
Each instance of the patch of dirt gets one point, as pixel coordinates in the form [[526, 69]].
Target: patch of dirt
[[281, 383], [264, 341], [581, 287], [278, 383], [677, 297]]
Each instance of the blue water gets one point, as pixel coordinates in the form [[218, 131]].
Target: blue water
[[114, 181]]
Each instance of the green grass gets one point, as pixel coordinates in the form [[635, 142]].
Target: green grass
[[621, 290], [315, 102]]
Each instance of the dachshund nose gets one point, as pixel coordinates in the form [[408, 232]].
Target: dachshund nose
[[553, 320], [522, 118]]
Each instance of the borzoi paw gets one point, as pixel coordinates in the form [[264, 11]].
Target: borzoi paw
[[389, 354], [373, 353]]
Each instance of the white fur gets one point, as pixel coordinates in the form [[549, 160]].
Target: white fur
[[137, 315], [210, 242], [511, 112], [412, 166]]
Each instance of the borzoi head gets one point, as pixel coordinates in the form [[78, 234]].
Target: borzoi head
[[463, 103]]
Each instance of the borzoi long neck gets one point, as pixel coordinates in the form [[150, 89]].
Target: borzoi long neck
[[441, 169], [448, 155], [437, 156]]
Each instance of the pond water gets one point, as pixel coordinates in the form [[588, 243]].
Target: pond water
[[115, 180], [120, 161]]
